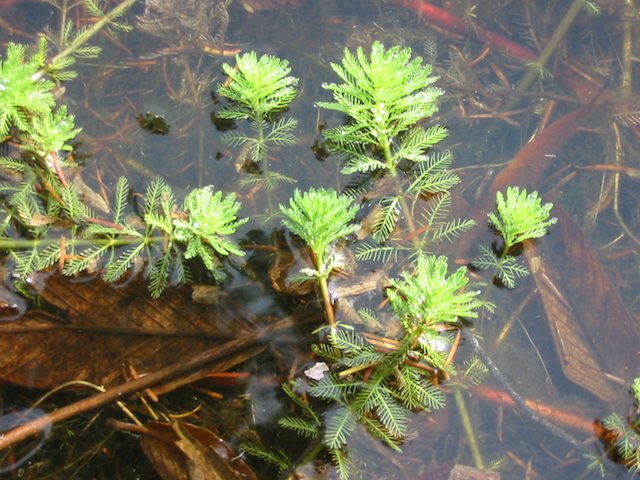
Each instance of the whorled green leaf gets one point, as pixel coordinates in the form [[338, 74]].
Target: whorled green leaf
[[210, 218], [49, 132], [258, 87], [430, 295], [320, 217], [522, 216], [20, 96]]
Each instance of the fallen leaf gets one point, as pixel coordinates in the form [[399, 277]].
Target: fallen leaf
[[105, 329], [593, 332], [181, 451]]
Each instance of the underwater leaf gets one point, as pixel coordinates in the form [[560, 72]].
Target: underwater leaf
[[300, 426], [121, 265], [340, 424], [430, 296], [122, 193], [375, 428], [180, 450], [277, 458], [391, 415], [341, 461], [366, 251], [452, 229], [107, 327], [387, 218], [332, 389], [280, 133], [306, 409], [507, 269], [588, 314]]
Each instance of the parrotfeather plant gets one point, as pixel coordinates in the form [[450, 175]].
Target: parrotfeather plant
[[39, 203], [521, 216], [163, 237], [378, 387], [621, 436], [22, 97], [321, 218], [260, 89], [429, 297], [384, 96]]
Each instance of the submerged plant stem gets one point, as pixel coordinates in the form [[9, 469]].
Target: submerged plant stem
[[10, 244], [84, 38], [331, 319], [549, 48], [468, 429]]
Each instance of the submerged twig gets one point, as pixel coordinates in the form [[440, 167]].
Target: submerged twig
[[528, 412], [118, 393]]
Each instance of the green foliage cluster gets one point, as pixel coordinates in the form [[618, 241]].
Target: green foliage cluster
[[260, 89], [427, 296], [38, 201], [378, 388], [521, 216], [22, 97], [321, 218], [162, 238], [625, 434], [384, 96]]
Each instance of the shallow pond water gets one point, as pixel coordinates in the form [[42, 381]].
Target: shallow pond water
[[575, 317]]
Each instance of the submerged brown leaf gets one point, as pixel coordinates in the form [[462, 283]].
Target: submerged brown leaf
[[181, 451], [110, 332], [593, 332]]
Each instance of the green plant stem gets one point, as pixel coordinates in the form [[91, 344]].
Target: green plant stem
[[468, 429], [551, 45], [10, 244], [386, 148], [324, 288], [84, 38], [496, 269], [265, 169], [63, 20]]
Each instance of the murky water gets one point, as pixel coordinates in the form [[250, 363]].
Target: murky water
[[140, 74]]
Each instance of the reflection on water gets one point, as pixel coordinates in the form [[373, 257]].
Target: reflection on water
[[170, 74]]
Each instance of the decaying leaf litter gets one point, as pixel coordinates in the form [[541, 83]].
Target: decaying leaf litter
[[461, 80]]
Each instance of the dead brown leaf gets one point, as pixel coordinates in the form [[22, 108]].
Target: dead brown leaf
[[107, 330], [181, 451], [593, 332]]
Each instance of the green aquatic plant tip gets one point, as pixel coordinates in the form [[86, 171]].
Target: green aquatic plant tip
[[260, 89], [51, 131], [522, 216], [384, 96], [20, 95], [321, 218], [430, 296], [211, 218]]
